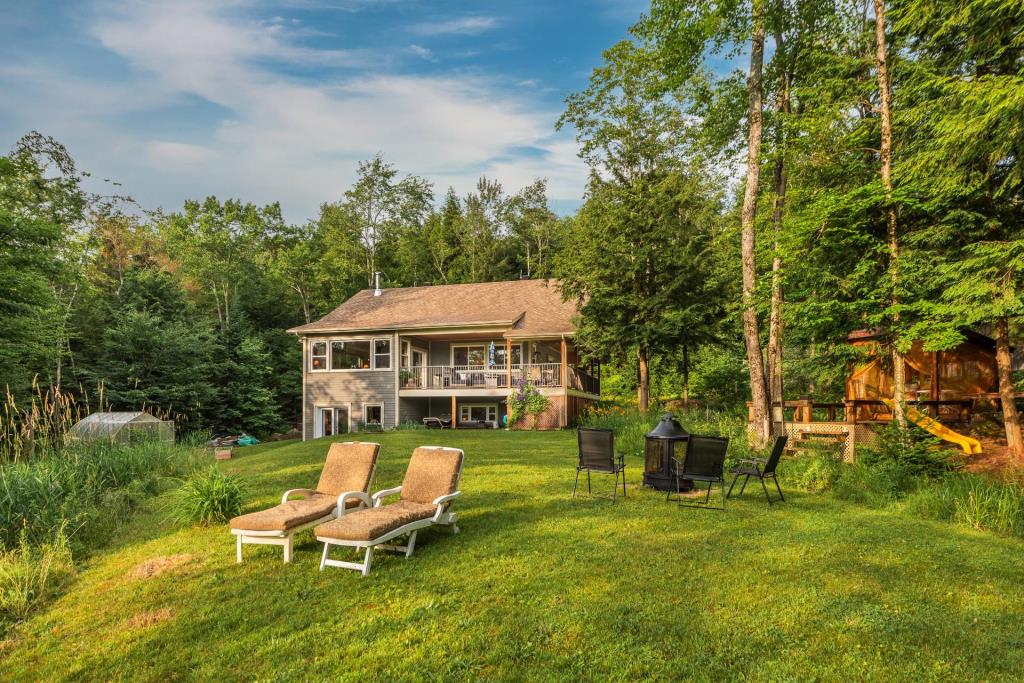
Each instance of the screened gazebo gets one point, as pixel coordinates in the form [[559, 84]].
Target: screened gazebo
[[123, 427]]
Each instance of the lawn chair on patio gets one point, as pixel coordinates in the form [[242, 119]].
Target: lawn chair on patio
[[704, 462], [348, 470], [431, 483], [597, 454], [762, 469]]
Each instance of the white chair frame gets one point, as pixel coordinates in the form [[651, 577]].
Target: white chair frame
[[286, 538], [440, 517]]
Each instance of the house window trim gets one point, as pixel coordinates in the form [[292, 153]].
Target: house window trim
[[373, 356], [470, 406], [326, 355], [366, 421], [520, 345], [499, 345]]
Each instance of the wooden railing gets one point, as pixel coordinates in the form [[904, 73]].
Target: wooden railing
[[584, 382], [853, 411]]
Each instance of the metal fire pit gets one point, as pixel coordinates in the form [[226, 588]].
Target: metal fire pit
[[667, 440]]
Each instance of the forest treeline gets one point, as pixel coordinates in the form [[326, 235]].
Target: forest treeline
[[766, 176], [186, 312]]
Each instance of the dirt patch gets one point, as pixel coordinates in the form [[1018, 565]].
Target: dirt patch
[[158, 565], [994, 459], [150, 618]]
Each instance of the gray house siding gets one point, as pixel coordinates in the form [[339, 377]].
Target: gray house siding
[[352, 389], [413, 409]]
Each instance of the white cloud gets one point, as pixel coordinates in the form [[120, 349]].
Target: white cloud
[[422, 52], [461, 26], [276, 135]]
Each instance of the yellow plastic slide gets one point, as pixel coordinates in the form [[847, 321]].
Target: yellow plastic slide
[[932, 426]]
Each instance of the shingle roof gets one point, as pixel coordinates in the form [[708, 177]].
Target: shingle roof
[[526, 307]]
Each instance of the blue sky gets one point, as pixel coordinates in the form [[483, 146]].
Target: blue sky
[[274, 101]]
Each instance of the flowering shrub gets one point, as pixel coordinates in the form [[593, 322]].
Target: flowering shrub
[[526, 400]]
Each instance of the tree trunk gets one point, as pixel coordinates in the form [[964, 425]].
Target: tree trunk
[[760, 426], [643, 387], [686, 378], [775, 331], [885, 150], [1004, 363]]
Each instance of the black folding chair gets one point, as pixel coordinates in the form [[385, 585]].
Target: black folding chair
[[597, 454], [762, 469], [704, 462]]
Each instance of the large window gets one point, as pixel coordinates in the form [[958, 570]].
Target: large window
[[381, 353], [478, 413], [353, 354], [350, 354], [469, 355], [318, 356], [499, 355]]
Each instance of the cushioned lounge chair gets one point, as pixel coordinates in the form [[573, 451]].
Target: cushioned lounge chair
[[431, 483], [348, 471]]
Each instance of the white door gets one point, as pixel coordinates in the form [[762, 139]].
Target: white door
[[331, 421]]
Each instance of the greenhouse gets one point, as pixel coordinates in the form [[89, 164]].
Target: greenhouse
[[124, 427]]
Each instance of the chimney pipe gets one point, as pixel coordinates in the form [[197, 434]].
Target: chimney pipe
[[376, 283]]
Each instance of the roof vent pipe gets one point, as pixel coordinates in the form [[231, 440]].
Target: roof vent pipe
[[376, 283]]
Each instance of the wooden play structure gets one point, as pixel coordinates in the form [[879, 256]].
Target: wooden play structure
[[942, 388]]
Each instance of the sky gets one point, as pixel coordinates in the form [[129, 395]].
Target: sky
[[278, 101]]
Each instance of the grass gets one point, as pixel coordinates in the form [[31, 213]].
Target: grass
[[538, 586]]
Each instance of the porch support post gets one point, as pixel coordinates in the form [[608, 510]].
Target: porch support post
[[455, 417], [508, 362], [565, 384], [564, 366]]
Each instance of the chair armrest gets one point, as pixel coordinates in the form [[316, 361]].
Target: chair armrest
[[384, 493], [441, 500], [358, 495], [440, 503], [291, 492]]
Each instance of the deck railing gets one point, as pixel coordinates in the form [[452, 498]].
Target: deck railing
[[479, 376]]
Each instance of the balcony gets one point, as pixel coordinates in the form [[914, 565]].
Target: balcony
[[450, 377]]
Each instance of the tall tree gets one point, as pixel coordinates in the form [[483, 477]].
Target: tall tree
[[761, 420], [885, 153], [41, 205], [381, 203], [217, 244], [965, 165], [635, 255]]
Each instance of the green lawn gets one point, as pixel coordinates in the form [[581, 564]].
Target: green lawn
[[538, 586]]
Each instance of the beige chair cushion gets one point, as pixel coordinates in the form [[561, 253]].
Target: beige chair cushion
[[349, 467], [432, 472], [289, 515], [367, 525]]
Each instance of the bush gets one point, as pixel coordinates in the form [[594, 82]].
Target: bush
[[30, 574], [910, 450], [83, 489], [207, 497], [974, 501], [630, 426], [815, 469]]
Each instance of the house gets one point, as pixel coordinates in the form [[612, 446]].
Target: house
[[454, 352]]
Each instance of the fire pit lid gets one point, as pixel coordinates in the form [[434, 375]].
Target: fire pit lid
[[668, 428]]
